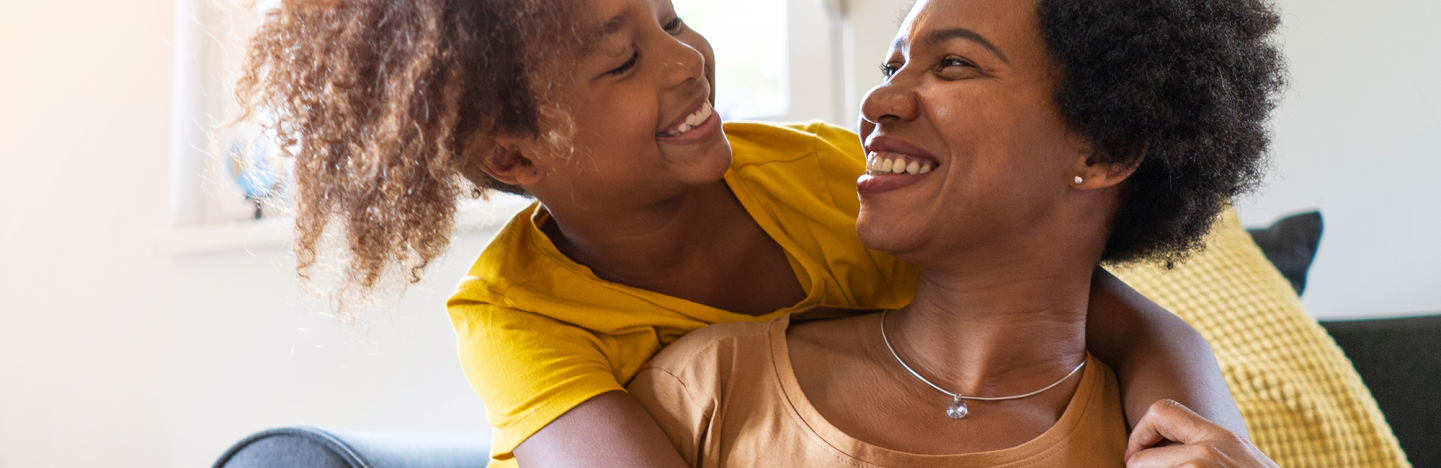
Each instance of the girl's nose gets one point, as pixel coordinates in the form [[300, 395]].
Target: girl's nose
[[681, 63]]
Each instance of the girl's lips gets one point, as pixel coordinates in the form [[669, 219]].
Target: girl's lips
[[870, 184], [701, 132]]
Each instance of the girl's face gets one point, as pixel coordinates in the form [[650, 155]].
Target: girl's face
[[970, 97], [640, 96]]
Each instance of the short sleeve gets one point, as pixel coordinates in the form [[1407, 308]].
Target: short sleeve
[[681, 413], [529, 369], [842, 159]]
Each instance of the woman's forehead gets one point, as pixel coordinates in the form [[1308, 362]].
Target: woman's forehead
[[992, 23]]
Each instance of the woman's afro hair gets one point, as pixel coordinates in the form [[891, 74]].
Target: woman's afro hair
[[1182, 90]]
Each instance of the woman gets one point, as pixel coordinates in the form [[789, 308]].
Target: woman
[[1013, 147], [654, 219]]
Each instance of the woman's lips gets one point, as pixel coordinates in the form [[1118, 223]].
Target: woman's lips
[[870, 183], [892, 164]]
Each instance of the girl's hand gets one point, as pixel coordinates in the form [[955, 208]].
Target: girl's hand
[[1197, 442]]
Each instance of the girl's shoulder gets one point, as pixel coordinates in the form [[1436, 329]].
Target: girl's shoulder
[[755, 143]]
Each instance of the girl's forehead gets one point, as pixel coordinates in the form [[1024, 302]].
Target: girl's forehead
[[608, 25]]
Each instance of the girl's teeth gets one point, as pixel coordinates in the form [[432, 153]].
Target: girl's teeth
[[694, 120]]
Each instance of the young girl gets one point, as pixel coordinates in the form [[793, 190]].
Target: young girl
[[653, 219]]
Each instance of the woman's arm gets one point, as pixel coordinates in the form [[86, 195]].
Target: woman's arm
[[610, 430], [1156, 355]]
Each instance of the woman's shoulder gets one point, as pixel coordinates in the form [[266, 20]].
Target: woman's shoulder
[[706, 351]]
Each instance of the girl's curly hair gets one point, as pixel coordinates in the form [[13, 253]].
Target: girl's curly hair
[[1182, 87], [385, 104]]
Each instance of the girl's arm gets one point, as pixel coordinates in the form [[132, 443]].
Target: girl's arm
[[1156, 355], [610, 430], [551, 392]]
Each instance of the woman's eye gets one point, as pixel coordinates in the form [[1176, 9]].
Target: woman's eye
[[673, 26], [955, 68], [889, 69], [634, 56], [954, 62]]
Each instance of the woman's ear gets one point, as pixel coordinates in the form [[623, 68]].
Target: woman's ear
[[1091, 175], [514, 161]]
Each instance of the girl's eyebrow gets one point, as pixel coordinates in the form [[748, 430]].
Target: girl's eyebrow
[[942, 35], [595, 40], [614, 25]]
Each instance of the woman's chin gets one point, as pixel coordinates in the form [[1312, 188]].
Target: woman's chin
[[879, 234]]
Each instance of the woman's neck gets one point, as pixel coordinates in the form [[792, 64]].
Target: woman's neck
[[995, 331]]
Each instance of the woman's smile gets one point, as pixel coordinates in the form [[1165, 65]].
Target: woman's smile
[[892, 163]]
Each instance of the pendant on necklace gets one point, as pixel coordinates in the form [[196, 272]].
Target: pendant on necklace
[[958, 409]]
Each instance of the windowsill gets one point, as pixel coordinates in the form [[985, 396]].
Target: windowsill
[[280, 232]]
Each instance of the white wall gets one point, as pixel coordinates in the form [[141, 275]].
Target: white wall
[[112, 354], [1358, 136]]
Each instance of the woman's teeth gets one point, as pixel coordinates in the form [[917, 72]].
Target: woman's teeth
[[692, 121], [896, 163]]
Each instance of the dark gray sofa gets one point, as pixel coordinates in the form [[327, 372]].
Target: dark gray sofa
[[313, 447]]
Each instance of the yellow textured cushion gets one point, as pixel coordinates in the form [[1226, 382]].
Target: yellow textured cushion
[[1303, 403]]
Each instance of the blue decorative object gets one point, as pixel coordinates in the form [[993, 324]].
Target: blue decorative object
[[252, 165]]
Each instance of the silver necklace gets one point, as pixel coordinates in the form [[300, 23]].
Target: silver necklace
[[958, 409]]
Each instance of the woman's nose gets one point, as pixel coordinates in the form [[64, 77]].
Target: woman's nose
[[892, 100]]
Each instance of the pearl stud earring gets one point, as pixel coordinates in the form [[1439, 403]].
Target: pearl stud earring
[[1079, 180]]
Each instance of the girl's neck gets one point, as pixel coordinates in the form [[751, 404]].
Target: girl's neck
[[695, 246], [980, 331], [636, 243]]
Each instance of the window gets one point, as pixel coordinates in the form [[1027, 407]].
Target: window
[[751, 76], [776, 60]]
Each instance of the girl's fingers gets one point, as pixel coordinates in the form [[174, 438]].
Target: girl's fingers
[[1172, 457], [1168, 420], [1203, 443]]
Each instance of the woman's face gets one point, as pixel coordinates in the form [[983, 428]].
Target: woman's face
[[640, 96], [969, 96]]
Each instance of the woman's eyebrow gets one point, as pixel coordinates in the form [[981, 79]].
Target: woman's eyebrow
[[936, 37]]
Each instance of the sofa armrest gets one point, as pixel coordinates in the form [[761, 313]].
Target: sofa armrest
[[1400, 361], [306, 446]]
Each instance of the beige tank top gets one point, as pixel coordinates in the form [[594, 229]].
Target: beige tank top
[[727, 397]]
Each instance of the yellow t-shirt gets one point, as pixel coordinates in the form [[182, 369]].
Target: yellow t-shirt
[[540, 334]]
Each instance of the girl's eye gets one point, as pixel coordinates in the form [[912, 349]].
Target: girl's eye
[[673, 26], [889, 69], [634, 56]]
